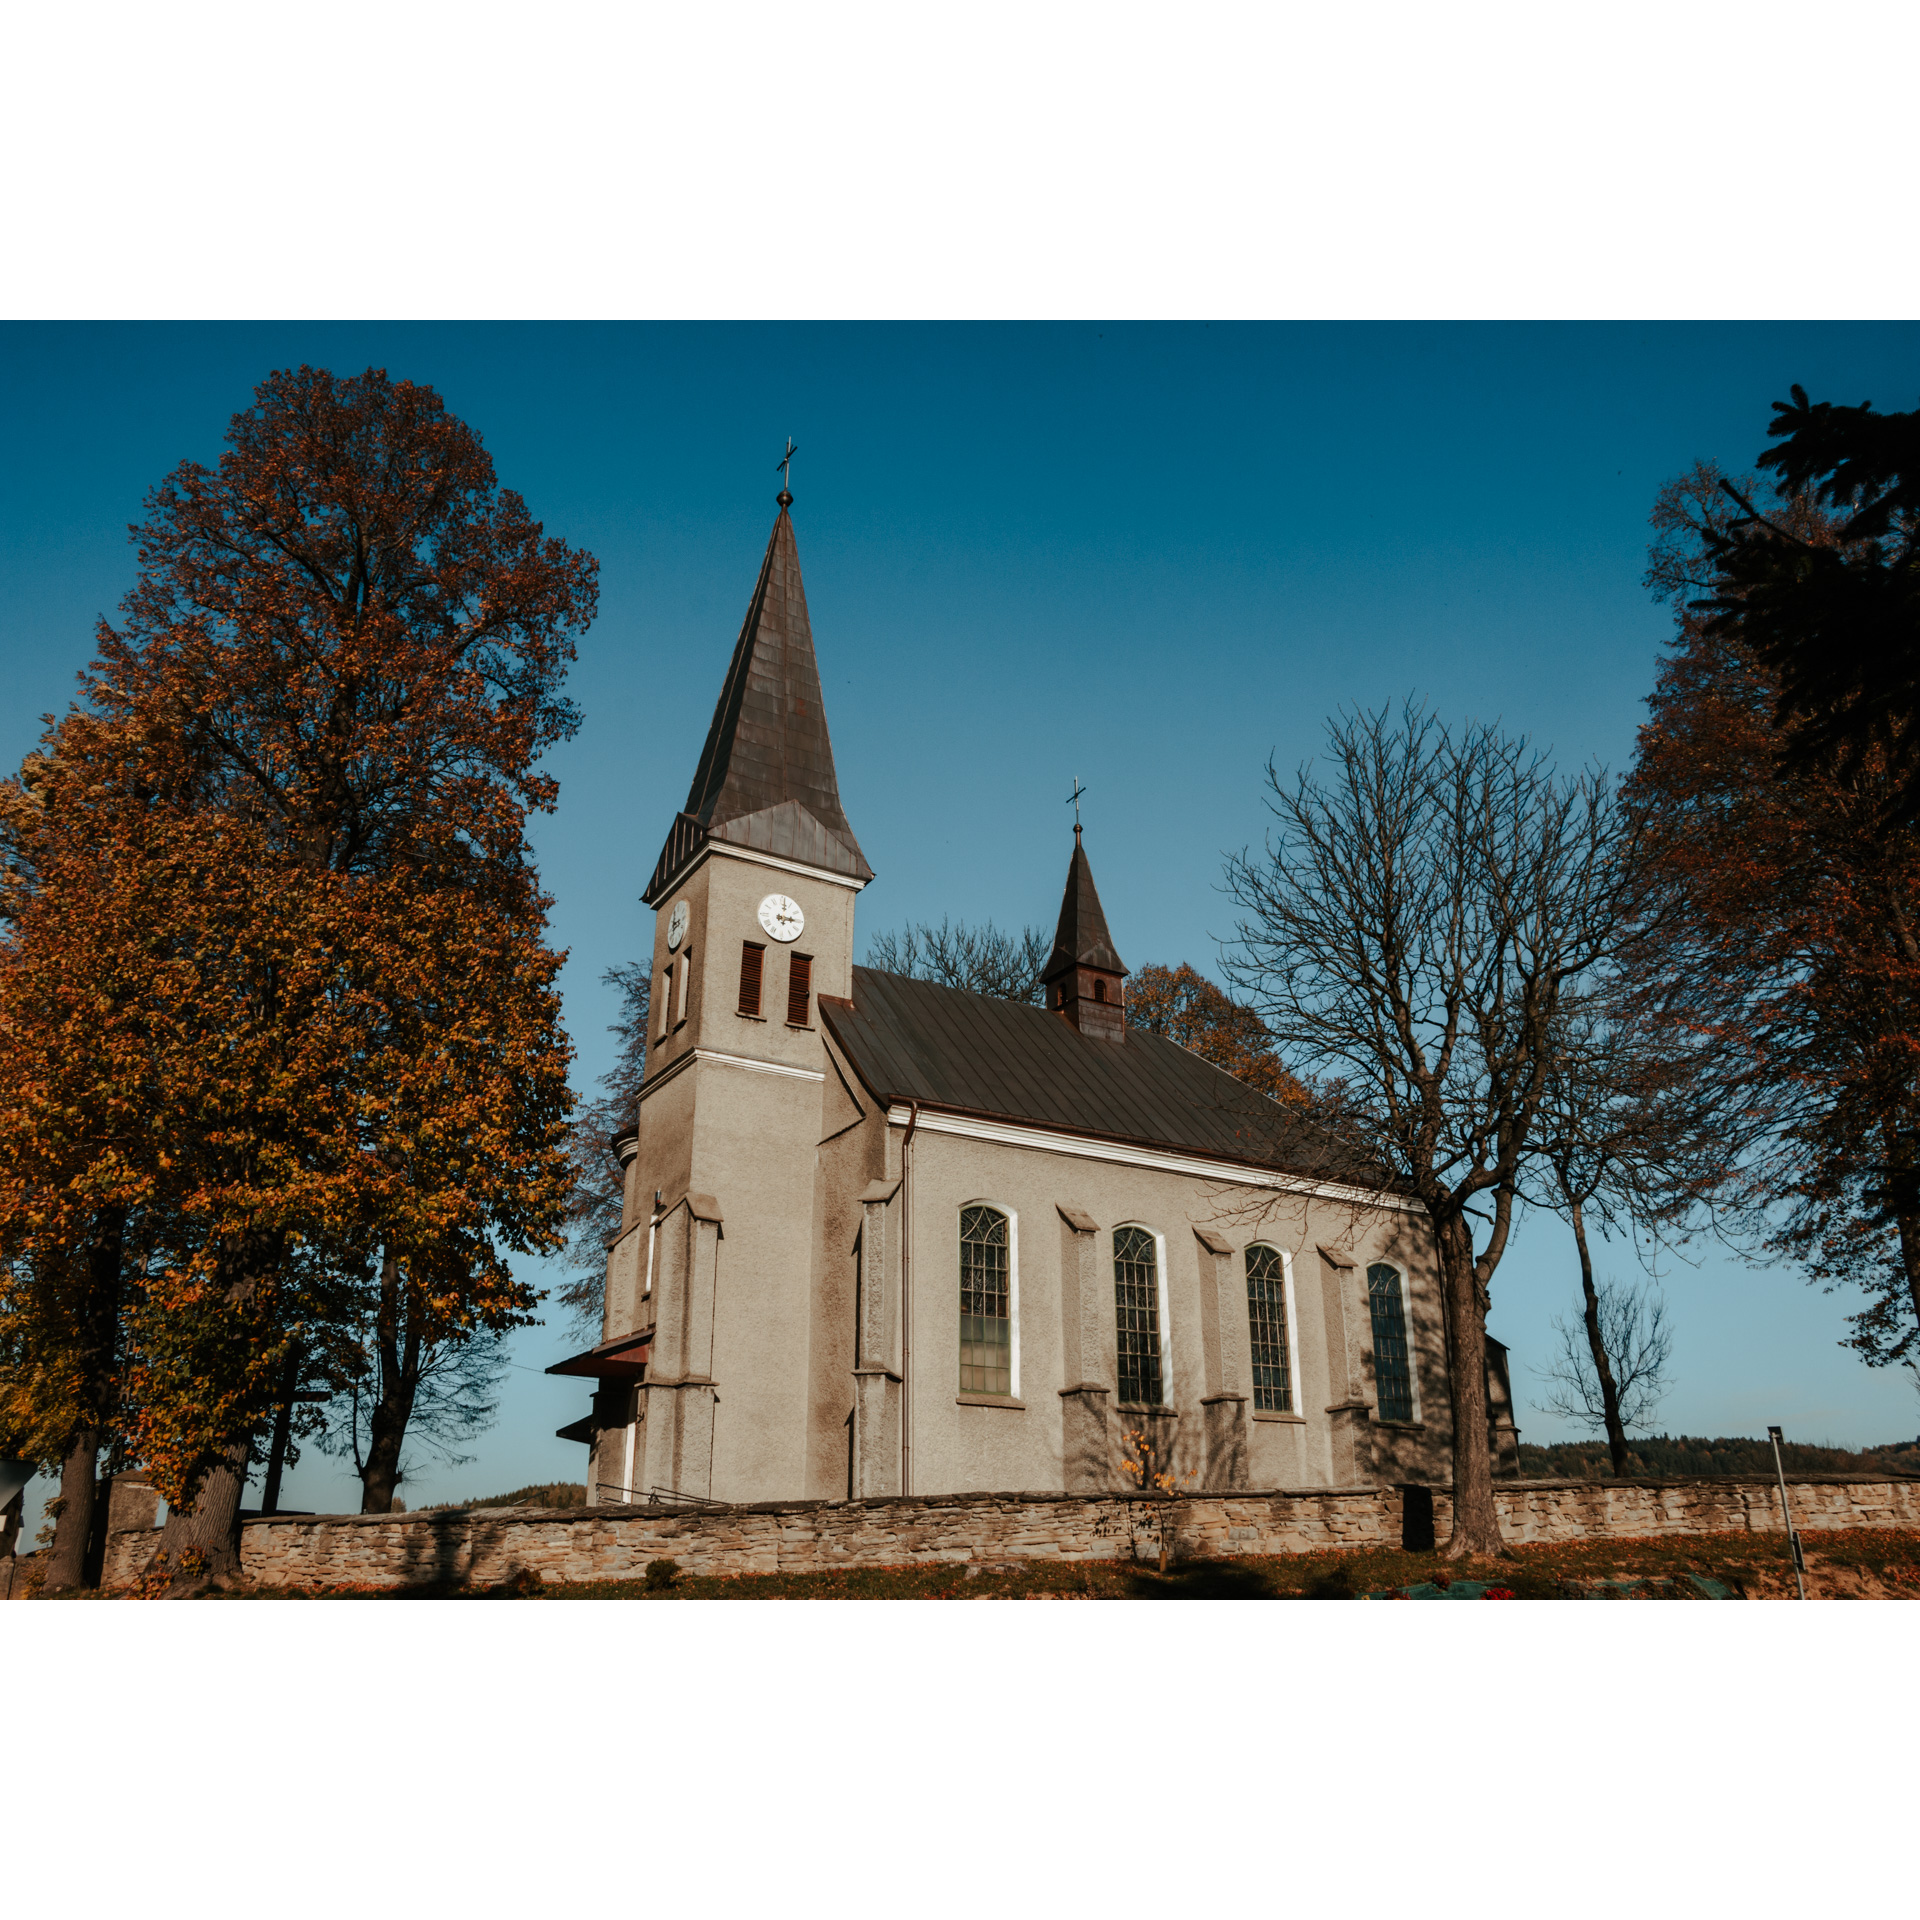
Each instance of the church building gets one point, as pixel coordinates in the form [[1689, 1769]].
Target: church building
[[884, 1237]]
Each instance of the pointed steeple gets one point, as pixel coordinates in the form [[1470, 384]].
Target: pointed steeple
[[765, 778], [1084, 973]]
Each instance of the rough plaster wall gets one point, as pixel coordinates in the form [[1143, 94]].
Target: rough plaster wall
[[961, 1448], [845, 1164], [754, 1151], [751, 1140]]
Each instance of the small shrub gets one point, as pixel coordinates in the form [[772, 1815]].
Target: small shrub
[[661, 1574]]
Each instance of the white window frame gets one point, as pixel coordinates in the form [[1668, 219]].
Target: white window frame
[[1166, 1319], [1413, 1349], [1293, 1322], [1011, 1216]]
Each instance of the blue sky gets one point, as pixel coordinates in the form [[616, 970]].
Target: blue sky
[[1148, 555]]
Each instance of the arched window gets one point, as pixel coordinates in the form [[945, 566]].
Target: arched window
[[1267, 1321], [1136, 1300], [1392, 1371], [986, 1307]]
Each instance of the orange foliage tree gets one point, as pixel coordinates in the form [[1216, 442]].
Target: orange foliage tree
[[281, 864], [1784, 933], [1187, 1007]]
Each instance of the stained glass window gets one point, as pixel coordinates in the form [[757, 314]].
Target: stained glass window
[[1392, 1374], [1267, 1320], [1136, 1299], [986, 1309]]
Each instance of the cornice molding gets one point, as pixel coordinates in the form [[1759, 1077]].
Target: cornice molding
[[709, 848], [1010, 1133], [728, 1060]]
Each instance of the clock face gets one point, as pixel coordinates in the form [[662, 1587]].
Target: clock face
[[676, 926], [782, 917]]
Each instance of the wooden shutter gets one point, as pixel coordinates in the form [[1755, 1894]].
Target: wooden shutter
[[799, 989], [752, 964]]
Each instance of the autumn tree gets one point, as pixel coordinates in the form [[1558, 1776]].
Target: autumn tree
[[1787, 958], [172, 1061], [979, 959], [463, 1101], [337, 671], [1412, 929], [1185, 1006]]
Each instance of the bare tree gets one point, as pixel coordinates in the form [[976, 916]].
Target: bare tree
[[1004, 966], [1411, 930], [1625, 1143], [599, 1179], [1611, 1373], [448, 1386]]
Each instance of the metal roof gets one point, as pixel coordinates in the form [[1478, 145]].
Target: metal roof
[[765, 778], [916, 1040]]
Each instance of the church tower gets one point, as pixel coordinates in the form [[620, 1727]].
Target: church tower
[[1084, 978], [753, 893]]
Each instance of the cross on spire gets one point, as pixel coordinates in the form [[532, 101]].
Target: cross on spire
[[1073, 800], [786, 476]]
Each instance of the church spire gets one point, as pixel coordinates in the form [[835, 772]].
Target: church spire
[[1084, 973], [765, 778]]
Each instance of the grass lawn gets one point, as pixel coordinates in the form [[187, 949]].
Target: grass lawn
[[1860, 1563]]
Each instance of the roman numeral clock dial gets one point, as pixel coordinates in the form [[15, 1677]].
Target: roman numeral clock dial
[[782, 917]]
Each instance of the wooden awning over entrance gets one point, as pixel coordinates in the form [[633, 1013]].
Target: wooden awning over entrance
[[622, 1361]]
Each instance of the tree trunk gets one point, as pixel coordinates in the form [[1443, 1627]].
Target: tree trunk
[[1476, 1522], [398, 1354], [282, 1433], [1602, 1360], [73, 1527], [201, 1548]]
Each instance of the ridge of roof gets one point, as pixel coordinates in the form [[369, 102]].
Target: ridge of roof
[[766, 778], [1081, 938], [968, 1053]]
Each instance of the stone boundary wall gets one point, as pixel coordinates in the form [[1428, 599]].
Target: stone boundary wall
[[485, 1545]]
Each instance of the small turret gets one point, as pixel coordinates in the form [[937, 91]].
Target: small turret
[[1084, 978]]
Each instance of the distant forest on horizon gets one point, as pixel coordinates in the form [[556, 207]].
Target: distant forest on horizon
[[1661, 1456]]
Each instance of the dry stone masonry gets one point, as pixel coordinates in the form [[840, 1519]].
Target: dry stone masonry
[[488, 1545]]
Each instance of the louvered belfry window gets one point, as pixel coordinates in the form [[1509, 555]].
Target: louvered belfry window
[[1136, 1299], [1267, 1322], [1392, 1372], [799, 989], [753, 961], [986, 1308]]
